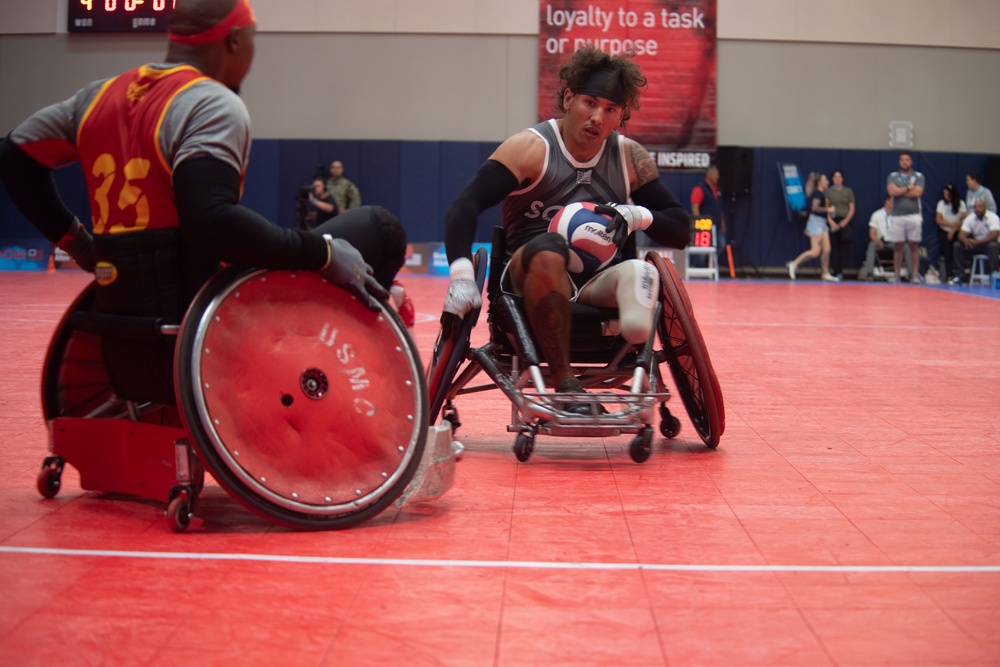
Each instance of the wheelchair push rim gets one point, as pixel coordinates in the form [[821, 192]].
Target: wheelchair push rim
[[687, 357], [308, 408]]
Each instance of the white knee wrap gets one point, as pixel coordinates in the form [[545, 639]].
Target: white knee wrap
[[633, 287], [636, 290]]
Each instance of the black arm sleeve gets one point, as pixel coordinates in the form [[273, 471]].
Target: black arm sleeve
[[32, 189], [211, 219], [671, 225], [488, 187]]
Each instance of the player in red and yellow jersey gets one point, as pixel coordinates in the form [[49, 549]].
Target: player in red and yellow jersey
[[164, 148]]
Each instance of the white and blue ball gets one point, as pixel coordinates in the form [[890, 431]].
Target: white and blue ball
[[591, 247]]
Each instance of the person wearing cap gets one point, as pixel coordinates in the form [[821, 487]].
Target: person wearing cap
[[580, 157], [164, 148]]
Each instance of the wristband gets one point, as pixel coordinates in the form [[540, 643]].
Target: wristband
[[329, 250]]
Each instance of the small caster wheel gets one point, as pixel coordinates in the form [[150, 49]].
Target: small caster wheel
[[49, 481], [50, 478], [670, 425], [641, 446], [179, 513], [523, 446]]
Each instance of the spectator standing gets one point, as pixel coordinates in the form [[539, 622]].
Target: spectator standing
[[977, 236], [906, 222], [878, 239], [841, 199], [817, 228], [344, 192], [951, 212], [706, 202], [976, 190]]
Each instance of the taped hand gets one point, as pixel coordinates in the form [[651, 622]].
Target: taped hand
[[463, 293], [347, 268]]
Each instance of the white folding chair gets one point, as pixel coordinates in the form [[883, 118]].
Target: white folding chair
[[702, 244], [979, 274]]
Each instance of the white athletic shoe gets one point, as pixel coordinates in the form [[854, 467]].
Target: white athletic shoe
[[791, 270]]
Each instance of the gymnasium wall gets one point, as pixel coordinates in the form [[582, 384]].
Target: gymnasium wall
[[413, 95]]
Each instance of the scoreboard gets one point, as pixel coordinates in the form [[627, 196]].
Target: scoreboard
[[118, 15]]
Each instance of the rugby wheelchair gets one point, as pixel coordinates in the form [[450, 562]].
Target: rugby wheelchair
[[625, 382], [306, 407]]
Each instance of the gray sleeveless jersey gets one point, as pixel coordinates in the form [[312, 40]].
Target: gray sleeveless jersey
[[526, 213]]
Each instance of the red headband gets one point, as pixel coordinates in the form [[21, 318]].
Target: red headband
[[241, 16]]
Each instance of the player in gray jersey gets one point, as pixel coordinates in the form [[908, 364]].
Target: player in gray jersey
[[580, 157]]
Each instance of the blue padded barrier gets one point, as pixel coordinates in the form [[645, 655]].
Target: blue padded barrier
[[417, 180]]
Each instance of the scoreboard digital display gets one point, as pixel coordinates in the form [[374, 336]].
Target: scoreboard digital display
[[703, 235], [118, 15]]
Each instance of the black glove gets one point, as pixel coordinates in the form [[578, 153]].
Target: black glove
[[79, 244], [625, 219], [347, 268]]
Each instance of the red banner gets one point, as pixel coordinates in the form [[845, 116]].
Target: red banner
[[673, 43]]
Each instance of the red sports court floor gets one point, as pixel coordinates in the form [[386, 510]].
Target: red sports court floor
[[851, 516]]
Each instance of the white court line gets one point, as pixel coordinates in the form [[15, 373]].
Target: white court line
[[497, 564], [847, 325]]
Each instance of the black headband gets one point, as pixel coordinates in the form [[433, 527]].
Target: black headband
[[603, 83]]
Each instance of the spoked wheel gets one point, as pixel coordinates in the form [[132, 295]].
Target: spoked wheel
[[306, 406], [74, 382], [451, 346], [686, 355]]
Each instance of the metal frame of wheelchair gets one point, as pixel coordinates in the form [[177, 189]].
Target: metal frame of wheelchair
[[278, 395], [625, 380]]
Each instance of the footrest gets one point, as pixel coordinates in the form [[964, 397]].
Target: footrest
[[624, 413]]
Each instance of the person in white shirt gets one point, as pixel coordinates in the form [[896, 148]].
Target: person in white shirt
[[978, 236], [878, 240]]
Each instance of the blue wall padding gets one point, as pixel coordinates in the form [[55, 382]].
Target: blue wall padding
[[417, 180]]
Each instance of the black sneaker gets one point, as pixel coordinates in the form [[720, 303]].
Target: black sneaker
[[571, 385]]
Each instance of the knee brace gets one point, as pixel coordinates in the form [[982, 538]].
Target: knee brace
[[548, 242]]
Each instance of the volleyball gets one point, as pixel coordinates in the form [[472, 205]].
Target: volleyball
[[591, 247]]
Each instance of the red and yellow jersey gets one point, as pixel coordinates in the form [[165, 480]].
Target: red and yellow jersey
[[130, 132], [128, 177]]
